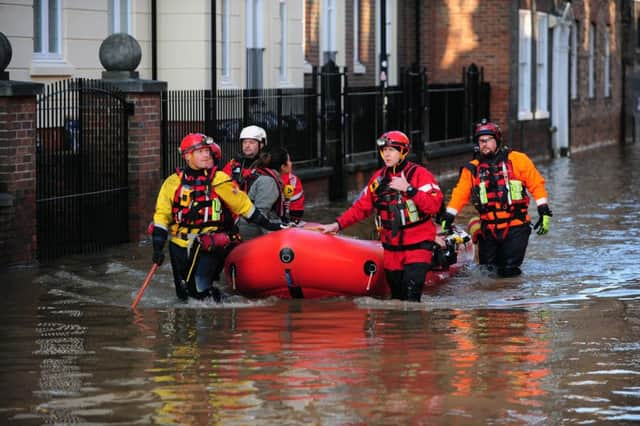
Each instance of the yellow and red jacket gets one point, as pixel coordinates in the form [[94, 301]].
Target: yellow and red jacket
[[498, 189], [194, 202], [293, 194], [405, 222]]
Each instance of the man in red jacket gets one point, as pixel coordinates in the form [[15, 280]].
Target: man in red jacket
[[406, 197]]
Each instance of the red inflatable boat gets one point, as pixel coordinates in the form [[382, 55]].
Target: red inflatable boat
[[302, 263]]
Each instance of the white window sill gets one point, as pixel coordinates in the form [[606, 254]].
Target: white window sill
[[358, 68], [227, 83], [51, 68], [307, 68], [525, 115], [541, 114]]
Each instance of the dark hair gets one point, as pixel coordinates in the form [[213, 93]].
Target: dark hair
[[273, 157]]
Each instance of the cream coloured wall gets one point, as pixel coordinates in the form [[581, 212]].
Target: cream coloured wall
[[84, 26], [184, 36]]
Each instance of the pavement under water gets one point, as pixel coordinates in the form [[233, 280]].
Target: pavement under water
[[558, 344]]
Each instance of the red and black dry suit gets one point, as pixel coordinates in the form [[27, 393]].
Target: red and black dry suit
[[497, 186], [407, 230]]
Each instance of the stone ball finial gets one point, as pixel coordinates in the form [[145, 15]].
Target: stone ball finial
[[120, 52], [5, 52]]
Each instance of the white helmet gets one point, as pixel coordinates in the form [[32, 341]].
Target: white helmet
[[254, 132]]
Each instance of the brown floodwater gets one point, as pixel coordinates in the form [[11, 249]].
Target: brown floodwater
[[558, 345]]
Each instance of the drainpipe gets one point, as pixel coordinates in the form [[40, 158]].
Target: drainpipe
[[418, 33], [214, 65], [154, 40], [383, 62]]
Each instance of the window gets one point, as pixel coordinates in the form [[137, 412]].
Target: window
[[606, 72], [592, 57], [226, 41], [329, 45], [574, 60], [358, 68], [524, 66], [542, 73], [119, 13], [255, 43], [47, 30], [283, 40]]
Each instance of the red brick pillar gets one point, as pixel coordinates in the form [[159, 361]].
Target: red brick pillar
[[145, 155], [18, 241]]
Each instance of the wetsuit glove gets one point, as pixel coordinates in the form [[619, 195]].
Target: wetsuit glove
[[261, 220], [447, 222], [544, 219], [158, 238]]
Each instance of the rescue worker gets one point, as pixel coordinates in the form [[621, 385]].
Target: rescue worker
[[265, 189], [497, 181], [405, 197], [253, 139], [195, 208], [293, 192]]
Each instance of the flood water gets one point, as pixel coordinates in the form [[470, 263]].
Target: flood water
[[558, 345]]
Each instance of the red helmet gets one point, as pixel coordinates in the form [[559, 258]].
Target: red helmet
[[486, 127], [194, 141], [395, 139], [216, 152]]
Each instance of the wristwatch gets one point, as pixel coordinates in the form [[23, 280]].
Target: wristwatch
[[411, 191]]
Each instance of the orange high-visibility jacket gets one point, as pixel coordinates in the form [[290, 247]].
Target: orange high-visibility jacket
[[501, 214]]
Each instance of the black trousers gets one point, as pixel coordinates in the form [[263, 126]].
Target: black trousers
[[205, 268], [407, 284], [504, 254]]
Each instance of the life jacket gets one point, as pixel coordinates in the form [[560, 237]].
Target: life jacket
[[497, 195], [197, 206], [396, 212], [241, 173]]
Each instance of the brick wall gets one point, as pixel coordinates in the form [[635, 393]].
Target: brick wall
[[596, 120], [144, 161], [460, 33], [17, 180]]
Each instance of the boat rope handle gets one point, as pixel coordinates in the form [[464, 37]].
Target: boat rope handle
[[233, 278], [369, 282]]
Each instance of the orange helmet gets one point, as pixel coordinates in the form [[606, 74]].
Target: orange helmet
[[194, 141], [395, 139], [486, 127]]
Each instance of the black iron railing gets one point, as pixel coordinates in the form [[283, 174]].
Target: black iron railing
[[81, 167]]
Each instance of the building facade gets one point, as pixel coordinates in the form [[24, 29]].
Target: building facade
[[555, 67]]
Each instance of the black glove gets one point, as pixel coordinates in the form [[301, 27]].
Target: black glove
[[542, 225], [261, 220], [158, 238], [447, 221]]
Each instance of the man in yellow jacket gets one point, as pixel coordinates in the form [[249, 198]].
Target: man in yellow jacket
[[498, 182], [195, 209]]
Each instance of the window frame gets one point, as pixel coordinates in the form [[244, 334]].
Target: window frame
[[42, 32], [574, 61], [358, 66], [525, 41], [542, 66], [606, 65], [115, 16], [591, 77], [284, 39]]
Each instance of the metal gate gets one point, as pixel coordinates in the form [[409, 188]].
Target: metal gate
[[81, 166]]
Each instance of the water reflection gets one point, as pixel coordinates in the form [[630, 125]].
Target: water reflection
[[285, 362]]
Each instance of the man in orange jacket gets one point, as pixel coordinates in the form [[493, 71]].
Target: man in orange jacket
[[497, 181]]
